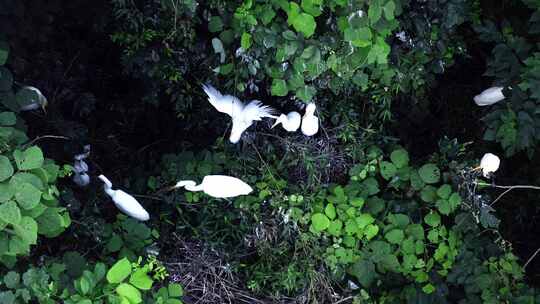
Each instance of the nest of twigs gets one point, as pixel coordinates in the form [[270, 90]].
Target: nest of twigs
[[206, 278]]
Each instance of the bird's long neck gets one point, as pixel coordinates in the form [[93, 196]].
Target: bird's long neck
[[189, 185], [107, 186]]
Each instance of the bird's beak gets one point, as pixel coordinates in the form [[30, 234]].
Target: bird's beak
[[275, 124]]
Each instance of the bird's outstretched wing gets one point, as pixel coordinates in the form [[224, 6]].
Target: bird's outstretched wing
[[227, 104], [255, 110]]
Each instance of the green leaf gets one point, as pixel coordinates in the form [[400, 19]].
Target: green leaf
[[395, 236], [175, 290], [50, 222], [389, 10], [363, 220], [12, 279], [245, 41], [141, 280], [4, 52], [119, 271], [428, 194], [429, 173], [330, 211], [215, 24], [433, 219], [306, 93], [364, 271], [319, 221], [268, 14], [371, 231], [359, 37], [374, 11], [10, 213], [27, 195], [305, 24], [443, 206], [8, 119], [27, 229], [279, 87], [454, 200], [129, 292], [31, 158], [335, 227], [312, 7], [429, 288], [400, 158], [6, 169], [388, 170], [444, 191]]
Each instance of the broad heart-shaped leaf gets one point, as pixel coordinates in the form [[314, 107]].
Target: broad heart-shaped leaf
[[388, 170], [50, 222], [140, 279], [279, 87], [364, 271], [444, 191], [129, 292], [4, 52], [6, 169], [175, 290], [395, 236], [400, 158], [429, 173], [6, 192], [330, 211], [27, 195], [335, 227], [7, 119], [319, 221], [371, 231], [312, 7], [27, 230], [305, 24], [31, 158], [433, 219], [119, 271], [10, 213]]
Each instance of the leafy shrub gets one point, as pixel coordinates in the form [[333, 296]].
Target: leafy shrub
[[515, 65]]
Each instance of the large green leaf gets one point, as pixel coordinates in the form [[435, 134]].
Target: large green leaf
[[129, 292], [400, 158], [429, 173], [279, 87], [119, 271], [27, 195], [140, 279], [29, 159], [305, 24], [10, 213], [6, 169], [27, 229], [319, 221], [8, 119], [364, 271]]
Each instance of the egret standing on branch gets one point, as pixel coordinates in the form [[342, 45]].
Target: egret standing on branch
[[242, 115], [291, 122], [125, 202], [218, 186], [310, 122]]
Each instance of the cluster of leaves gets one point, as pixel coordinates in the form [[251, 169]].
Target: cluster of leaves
[[514, 65], [74, 281], [127, 237], [28, 194]]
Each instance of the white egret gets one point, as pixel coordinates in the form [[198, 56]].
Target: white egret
[[242, 115], [125, 202], [489, 96], [291, 122], [219, 186], [310, 122], [37, 99], [489, 164]]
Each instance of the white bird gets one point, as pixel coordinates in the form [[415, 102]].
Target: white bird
[[310, 122], [489, 96], [40, 101], [489, 164], [242, 115], [291, 122], [80, 168], [219, 186], [125, 202]]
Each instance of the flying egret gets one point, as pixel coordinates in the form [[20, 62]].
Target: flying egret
[[489, 96], [125, 202], [310, 122], [489, 164], [219, 186], [37, 99], [291, 122], [242, 115]]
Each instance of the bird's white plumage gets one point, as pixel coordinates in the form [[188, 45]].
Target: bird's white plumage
[[81, 179], [219, 186], [489, 96], [242, 115], [290, 122], [489, 164], [310, 122], [41, 101], [124, 201]]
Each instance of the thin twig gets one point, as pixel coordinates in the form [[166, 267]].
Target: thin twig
[[531, 258], [343, 300]]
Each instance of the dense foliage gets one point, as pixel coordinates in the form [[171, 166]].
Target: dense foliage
[[353, 214]]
